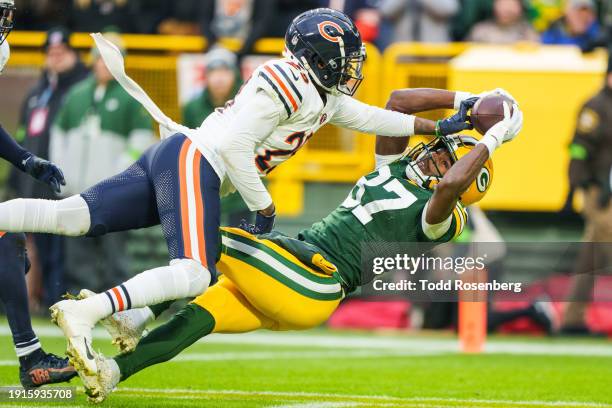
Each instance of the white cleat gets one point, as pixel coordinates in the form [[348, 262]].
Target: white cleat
[[77, 330], [125, 328], [106, 380]]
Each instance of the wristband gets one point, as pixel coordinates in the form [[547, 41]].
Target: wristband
[[460, 97], [490, 142], [437, 129]]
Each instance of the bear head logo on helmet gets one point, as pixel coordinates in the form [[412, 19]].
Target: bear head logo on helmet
[[327, 44]]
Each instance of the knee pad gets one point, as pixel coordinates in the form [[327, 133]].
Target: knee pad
[[199, 276]]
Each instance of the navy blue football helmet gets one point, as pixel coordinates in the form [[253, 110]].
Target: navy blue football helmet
[[327, 44], [7, 15]]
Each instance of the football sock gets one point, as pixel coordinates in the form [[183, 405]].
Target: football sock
[[166, 341], [29, 360], [14, 295], [160, 308], [183, 278], [64, 217]]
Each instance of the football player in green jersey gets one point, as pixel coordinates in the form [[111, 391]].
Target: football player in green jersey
[[276, 282]]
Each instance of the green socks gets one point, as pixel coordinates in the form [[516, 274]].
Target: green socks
[[166, 341], [161, 307]]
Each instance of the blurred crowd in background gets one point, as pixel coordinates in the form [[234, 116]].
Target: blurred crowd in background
[[75, 111], [381, 22]]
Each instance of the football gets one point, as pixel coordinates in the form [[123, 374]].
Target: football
[[488, 111]]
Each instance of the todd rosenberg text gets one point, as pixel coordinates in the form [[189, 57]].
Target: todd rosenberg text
[[446, 285]]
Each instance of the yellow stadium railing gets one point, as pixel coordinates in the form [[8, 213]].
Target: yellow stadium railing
[[336, 155], [333, 155]]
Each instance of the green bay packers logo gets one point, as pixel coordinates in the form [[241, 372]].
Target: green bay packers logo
[[483, 180], [330, 31]]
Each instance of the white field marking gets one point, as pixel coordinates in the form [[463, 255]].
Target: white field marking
[[290, 355], [272, 355], [319, 405], [357, 398], [417, 345]]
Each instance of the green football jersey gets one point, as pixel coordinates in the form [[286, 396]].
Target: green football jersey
[[384, 206]]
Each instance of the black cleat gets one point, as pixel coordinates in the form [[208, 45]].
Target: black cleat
[[50, 369]]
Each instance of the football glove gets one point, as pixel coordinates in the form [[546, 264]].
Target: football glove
[[459, 121], [44, 171], [505, 130], [509, 128], [498, 91], [263, 224]]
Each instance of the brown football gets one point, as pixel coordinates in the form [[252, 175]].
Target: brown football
[[488, 111]]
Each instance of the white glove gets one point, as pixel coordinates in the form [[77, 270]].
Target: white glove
[[505, 130], [462, 96], [500, 92]]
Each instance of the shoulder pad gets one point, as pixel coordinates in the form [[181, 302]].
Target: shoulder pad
[[283, 81]]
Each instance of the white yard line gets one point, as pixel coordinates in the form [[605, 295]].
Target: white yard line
[[356, 398], [414, 345]]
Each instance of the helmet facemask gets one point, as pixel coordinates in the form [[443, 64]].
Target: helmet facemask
[[352, 72], [423, 167], [7, 18]]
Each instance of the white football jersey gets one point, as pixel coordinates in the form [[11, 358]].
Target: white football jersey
[[300, 111], [271, 118], [300, 107]]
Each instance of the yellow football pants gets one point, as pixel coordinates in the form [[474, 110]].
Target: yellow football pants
[[261, 285]]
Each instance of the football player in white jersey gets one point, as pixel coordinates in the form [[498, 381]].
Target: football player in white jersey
[[178, 182]]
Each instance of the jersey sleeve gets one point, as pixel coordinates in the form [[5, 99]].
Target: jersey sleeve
[[251, 125], [448, 229], [11, 150], [281, 82], [355, 115]]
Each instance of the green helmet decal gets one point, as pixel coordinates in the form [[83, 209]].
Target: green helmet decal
[[483, 180]]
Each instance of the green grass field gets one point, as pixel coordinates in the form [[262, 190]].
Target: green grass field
[[324, 369]]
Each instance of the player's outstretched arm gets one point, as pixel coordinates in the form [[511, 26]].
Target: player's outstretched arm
[[412, 101], [25, 161], [463, 173]]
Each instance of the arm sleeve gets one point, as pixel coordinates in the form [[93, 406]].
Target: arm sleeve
[[11, 151], [355, 115], [448, 229], [253, 123]]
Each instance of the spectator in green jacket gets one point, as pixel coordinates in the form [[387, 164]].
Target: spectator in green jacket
[[99, 131], [222, 84]]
